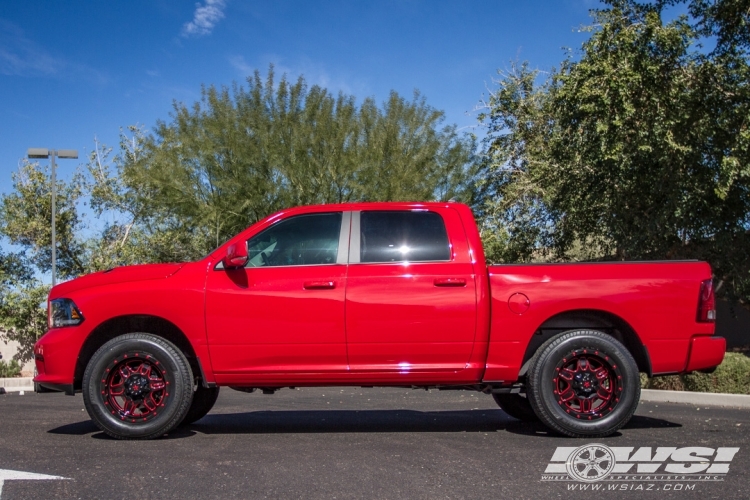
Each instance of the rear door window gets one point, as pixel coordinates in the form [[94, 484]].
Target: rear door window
[[401, 236]]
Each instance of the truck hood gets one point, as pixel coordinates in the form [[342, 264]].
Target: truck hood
[[116, 275]]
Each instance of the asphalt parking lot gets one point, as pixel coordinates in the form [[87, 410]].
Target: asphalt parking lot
[[340, 443]]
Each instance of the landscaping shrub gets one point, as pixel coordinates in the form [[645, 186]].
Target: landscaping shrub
[[732, 376], [9, 369]]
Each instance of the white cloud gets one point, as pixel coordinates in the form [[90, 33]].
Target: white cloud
[[205, 18]]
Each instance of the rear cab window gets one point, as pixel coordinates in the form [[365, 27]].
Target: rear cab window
[[403, 236]]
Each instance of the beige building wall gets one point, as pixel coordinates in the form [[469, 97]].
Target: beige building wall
[[9, 350]]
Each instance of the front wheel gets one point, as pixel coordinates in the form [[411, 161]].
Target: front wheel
[[583, 383], [137, 386]]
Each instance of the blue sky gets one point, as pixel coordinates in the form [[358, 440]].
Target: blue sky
[[70, 71]]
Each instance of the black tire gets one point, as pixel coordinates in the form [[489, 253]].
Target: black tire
[[204, 399], [517, 406], [137, 386], [604, 387]]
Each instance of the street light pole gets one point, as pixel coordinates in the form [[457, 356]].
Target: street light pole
[[54, 245], [51, 153]]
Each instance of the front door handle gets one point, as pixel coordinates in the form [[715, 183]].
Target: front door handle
[[319, 285], [450, 282]]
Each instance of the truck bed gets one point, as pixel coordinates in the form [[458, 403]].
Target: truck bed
[[649, 305]]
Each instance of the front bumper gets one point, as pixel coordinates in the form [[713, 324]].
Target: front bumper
[[55, 356], [705, 353]]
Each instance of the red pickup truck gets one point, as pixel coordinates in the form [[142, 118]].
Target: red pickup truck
[[374, 294]]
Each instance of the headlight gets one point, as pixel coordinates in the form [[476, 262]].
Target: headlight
[[63, 312]]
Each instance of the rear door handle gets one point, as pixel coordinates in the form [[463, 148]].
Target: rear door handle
[[450, 282], [319, 285]]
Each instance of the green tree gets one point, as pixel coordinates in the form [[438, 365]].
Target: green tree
[[9, 368], [133, 226], [24, 221], [21, 318], [240, 154], [638, 149], [120, 235], [25, 216]]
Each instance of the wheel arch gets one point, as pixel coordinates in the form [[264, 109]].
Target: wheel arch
[[143, 323], [593, 319]]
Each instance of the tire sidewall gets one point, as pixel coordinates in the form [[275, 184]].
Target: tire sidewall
[[173, 373], [543, 399]]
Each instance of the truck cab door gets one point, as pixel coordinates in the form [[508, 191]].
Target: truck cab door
[[283, 312], [411, 295]]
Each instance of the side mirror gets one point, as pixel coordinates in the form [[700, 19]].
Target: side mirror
[[236, 256]]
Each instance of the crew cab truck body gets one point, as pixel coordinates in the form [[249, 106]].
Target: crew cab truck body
[[374, 294]]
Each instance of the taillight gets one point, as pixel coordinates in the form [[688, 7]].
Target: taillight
[[707, 303]]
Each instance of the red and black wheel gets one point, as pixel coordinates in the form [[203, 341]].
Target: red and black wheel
[[137, 386], [583, 384]]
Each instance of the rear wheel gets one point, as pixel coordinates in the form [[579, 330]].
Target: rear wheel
[[137, 386], [583, 383], [204, 399], [517, 406]]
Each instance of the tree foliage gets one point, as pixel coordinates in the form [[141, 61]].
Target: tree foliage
[[638, 149], [241, 153], [22, 316], [9, 368], [25, 216]]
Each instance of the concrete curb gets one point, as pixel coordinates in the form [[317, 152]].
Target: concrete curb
[[696, 398], [17, 384]]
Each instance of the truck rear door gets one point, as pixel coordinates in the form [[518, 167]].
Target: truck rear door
[[411, 295]]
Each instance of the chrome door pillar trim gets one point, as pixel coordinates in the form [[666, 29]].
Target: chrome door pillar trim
[[354, 240], [342, 257]]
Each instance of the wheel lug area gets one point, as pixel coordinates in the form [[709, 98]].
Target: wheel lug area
[[136, 386], [585, 384]]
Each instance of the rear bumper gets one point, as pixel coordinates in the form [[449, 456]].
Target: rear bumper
[[705, 352]]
